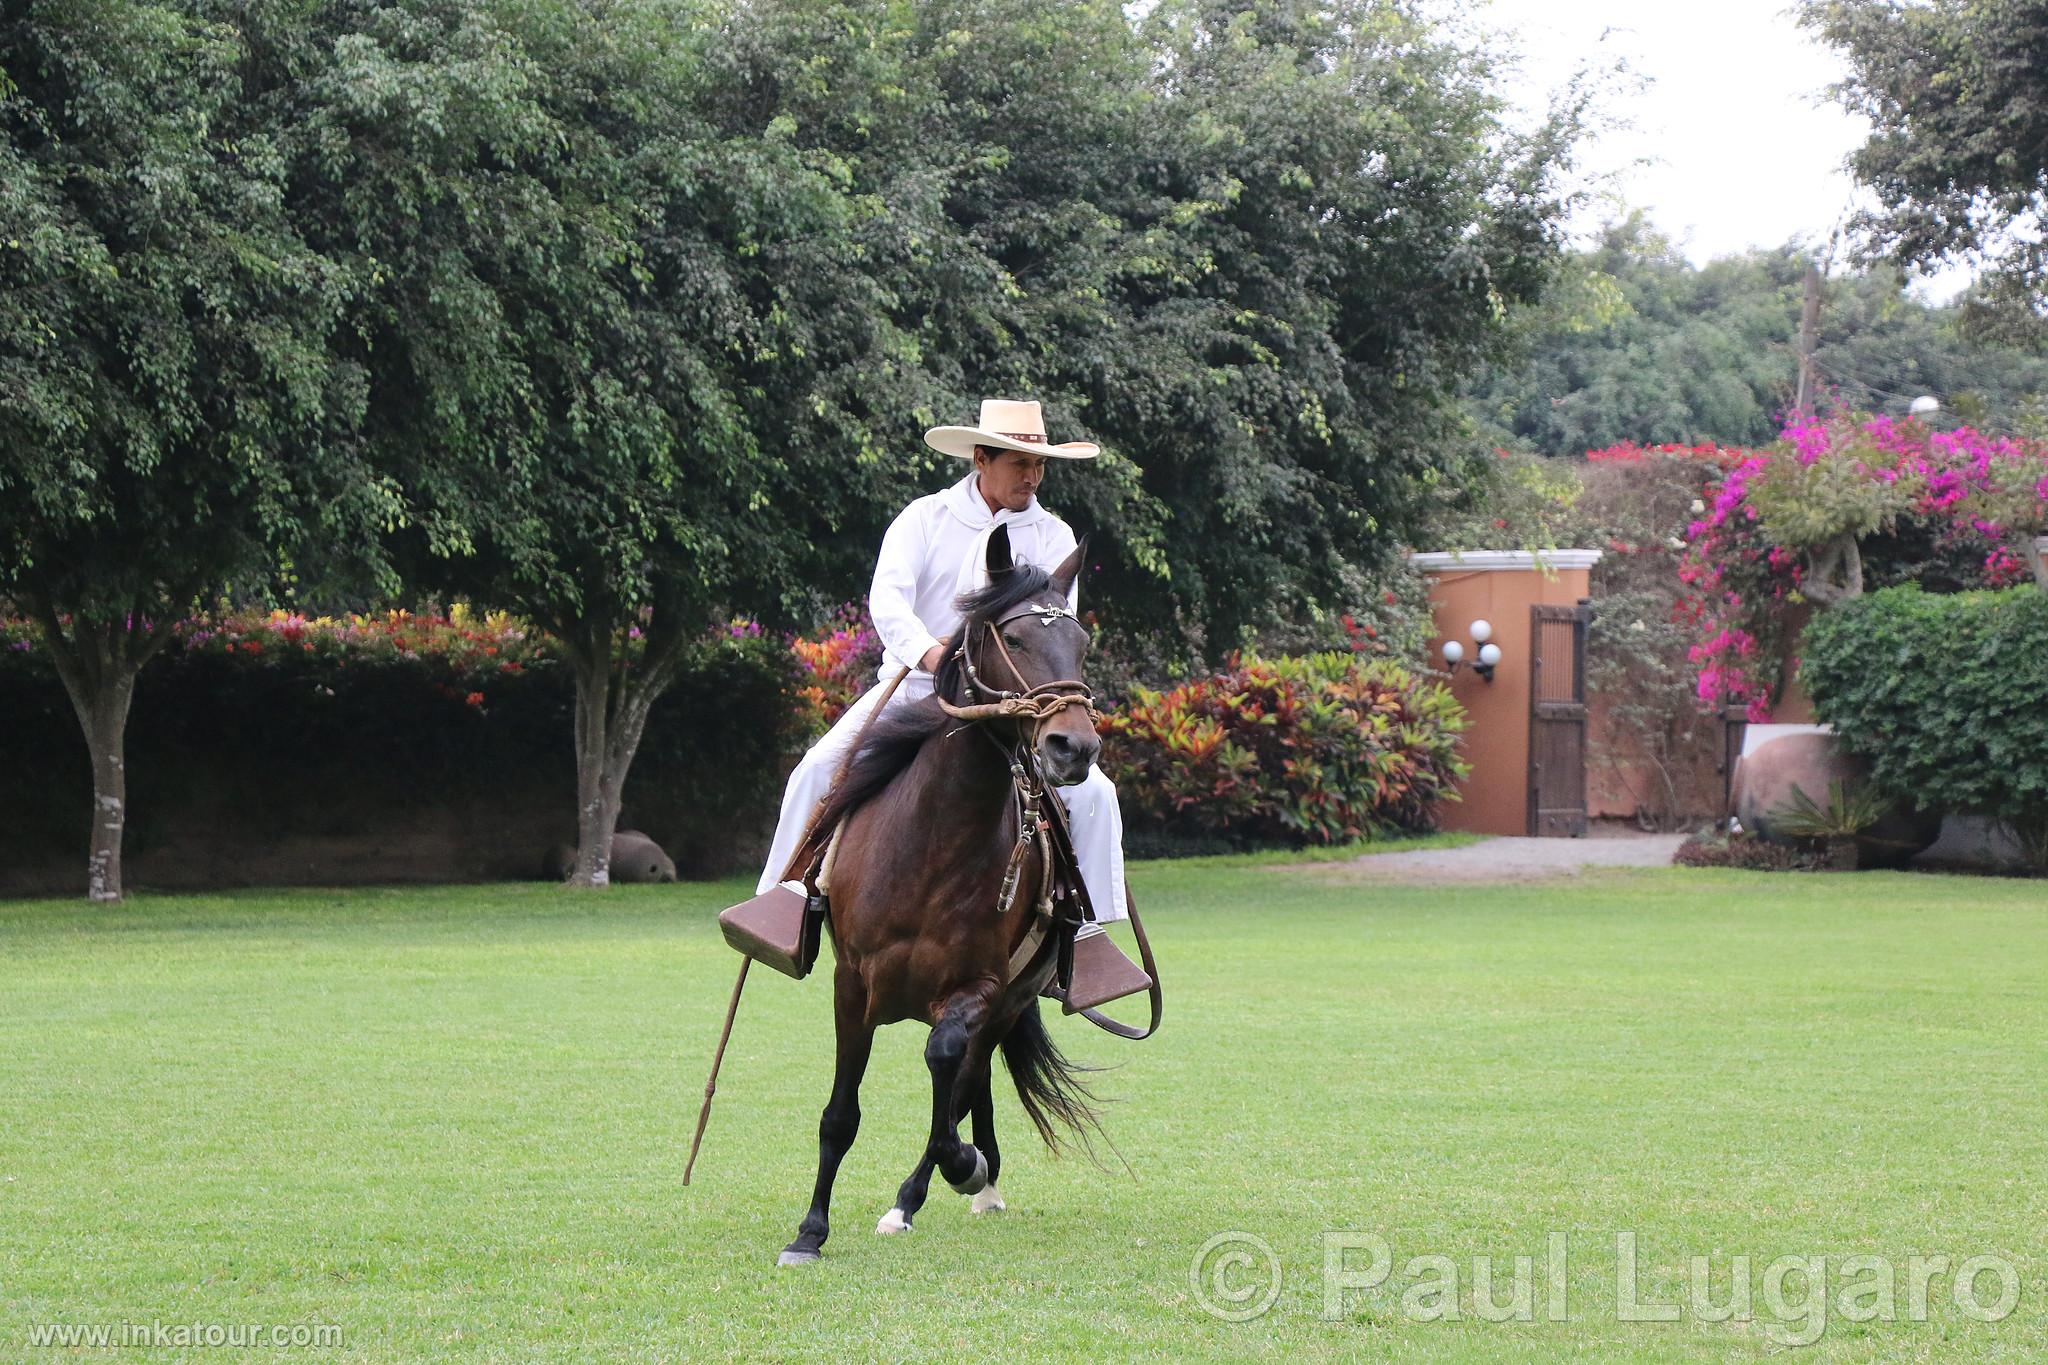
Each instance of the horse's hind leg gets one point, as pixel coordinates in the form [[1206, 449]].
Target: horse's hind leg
[[841, 1120], [948, 1052]]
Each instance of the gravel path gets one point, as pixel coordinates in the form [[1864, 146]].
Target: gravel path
[[1506, 860]]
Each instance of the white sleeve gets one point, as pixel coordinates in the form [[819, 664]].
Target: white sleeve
[[1059, 542], [892, 599]]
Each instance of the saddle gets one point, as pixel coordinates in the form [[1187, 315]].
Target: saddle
[[783, 929]]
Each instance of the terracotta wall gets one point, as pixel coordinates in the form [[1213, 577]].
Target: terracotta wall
[[1491, 587]]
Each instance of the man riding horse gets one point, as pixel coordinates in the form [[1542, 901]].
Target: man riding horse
[[933, 553], [923, 833]]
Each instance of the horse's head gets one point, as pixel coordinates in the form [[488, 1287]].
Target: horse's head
[[1020, 642]]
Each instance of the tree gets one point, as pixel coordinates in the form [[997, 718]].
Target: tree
[[170, 409], [1956, 92], [1253, 250], [577, 292]]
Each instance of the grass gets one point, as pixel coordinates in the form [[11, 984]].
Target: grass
[[453, 1122], [1317, 853]]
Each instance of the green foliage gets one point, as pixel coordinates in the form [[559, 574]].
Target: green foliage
[[1706, 353], [586, 311], [1806, 506], [1507, 500], [174, 406], [1946, 697], [1319, 749], [1251, 249], [1843, 817], [569, 282], [1956, 95]]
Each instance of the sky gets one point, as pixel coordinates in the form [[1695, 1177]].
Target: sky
[[1733, 142]]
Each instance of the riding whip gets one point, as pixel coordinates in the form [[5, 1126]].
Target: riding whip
[[711, 1082]]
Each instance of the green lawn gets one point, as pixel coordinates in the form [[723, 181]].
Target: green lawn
[[453, 1122]]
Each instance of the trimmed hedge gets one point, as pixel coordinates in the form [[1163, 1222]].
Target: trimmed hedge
[[1322, 748], [251, 735], [1946, 696]]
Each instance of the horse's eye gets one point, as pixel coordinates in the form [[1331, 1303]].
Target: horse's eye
[[1014, 641]]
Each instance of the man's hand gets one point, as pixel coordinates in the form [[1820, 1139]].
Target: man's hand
[[933, 657]]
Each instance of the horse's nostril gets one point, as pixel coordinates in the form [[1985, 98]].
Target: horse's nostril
[[1070, 753]]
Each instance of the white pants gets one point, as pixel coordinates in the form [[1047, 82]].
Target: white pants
[[1097, 823]]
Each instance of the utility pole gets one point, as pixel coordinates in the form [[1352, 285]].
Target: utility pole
[[1809, 331]]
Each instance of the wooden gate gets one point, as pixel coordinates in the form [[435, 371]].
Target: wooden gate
[[1557, 720]]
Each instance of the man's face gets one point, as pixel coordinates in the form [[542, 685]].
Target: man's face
[[1009, 478]]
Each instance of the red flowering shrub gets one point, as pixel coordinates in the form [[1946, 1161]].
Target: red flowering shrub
[[839, 661], [1321, 749], [1844, 505]]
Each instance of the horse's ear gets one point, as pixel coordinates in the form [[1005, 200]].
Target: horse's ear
[[999, 561], [1063, 577]]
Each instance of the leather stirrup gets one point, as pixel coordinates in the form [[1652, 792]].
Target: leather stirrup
[[777, 928]]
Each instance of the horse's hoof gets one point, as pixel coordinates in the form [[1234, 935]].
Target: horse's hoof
[[977, 1179], [795, 1256], [988, 1201], [892, 1223]]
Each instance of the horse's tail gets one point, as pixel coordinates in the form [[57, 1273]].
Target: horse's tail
[[1048, 1085]]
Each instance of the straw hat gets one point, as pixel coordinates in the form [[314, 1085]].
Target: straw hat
[[1007, 425]]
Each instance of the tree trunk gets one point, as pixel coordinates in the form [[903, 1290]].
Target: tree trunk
[[98, 661], [105, 718], [613, 698], [598, 791], [1842, 553]]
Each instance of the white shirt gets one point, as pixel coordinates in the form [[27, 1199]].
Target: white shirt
[[928, 557]]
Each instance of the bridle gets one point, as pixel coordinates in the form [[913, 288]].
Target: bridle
[[1036, 702]]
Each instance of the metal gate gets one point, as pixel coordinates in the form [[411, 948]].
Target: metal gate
[[1557, 720]]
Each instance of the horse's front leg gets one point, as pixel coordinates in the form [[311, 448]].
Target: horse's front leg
[[982, 1105], [950, 1053], [840, 1123]]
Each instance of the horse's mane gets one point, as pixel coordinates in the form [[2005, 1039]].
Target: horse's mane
[[896, 736]]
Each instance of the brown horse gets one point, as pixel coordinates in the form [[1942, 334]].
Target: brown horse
[[931, 821]]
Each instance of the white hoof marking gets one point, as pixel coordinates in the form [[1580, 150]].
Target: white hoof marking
[[892, 1222], [988, 1201]]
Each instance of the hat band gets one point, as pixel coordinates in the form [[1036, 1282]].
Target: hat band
[[1033, 437]]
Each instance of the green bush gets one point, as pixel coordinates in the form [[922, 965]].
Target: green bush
[[1945, 696], [1323, 748]]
